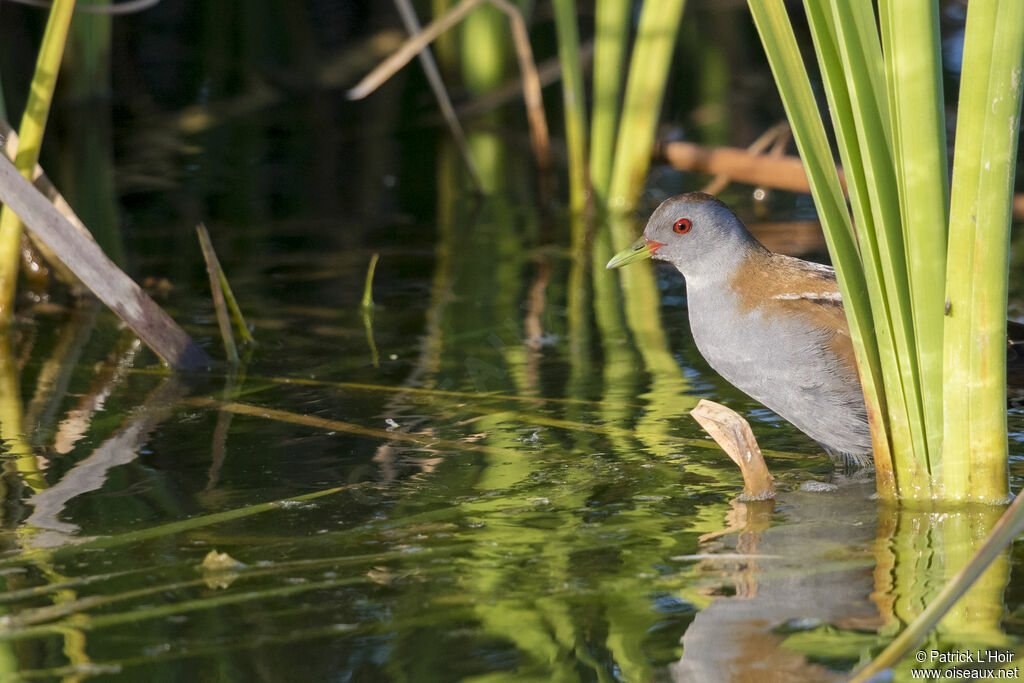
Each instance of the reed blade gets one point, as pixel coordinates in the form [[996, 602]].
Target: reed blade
[[776, 32]]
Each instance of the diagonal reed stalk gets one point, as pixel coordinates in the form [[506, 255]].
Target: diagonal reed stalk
[[433, 74], [527, 66], [215, 273]]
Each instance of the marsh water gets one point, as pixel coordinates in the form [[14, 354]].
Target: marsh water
[[489, 475]]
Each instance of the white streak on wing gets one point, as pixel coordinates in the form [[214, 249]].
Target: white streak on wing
[[831, 296]]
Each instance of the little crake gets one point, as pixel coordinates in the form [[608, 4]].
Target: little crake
[[772, 325]]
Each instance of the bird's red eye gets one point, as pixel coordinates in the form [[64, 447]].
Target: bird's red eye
[[682, 226]]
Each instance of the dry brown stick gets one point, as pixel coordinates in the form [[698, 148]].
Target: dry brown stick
[[778, 172], [108, 282], [740, 165], [325, 423], [784, 173], [783, 138], [733, 434], [404, 54], [412, 25], [758, 146], [531, 81]]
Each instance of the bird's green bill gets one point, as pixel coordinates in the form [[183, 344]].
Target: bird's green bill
[[638, 251]]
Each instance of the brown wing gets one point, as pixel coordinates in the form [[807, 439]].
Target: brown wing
[[792, 286]]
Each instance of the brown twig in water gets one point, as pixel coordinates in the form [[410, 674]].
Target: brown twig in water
[[733, 434], [346, 427], [108, 282], [520, 37]]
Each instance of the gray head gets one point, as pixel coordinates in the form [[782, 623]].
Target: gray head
[[696, 233]]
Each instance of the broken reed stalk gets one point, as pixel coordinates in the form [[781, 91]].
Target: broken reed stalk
[[108, 282], [412, 25], [370, 341], [527, 66], [733, 434], [216, 275]]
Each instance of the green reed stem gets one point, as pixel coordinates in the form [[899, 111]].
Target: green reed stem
[[776, 32], [979, 225], [645, 89], [30, 134], [910, 31], [611, 29], [485, 48], [864, 137], [888, 114], [574, 98]]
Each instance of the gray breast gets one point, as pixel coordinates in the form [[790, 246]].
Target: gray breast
[[785, 364]]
